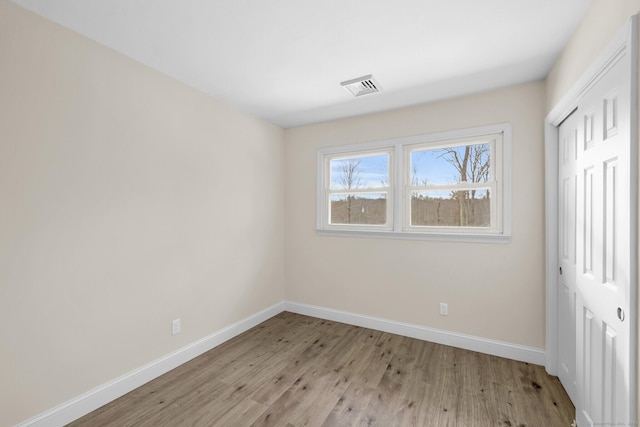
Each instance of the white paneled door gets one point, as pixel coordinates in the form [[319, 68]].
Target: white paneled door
[[595, 249]]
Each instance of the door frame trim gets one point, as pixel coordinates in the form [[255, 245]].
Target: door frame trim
[[624, 42]]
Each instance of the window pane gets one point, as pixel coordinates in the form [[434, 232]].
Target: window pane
[[360, 172], [468, 208], [359, 208], [452, 165]]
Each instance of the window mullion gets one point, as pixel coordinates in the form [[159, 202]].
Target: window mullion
[[453, 187], [398, 185]]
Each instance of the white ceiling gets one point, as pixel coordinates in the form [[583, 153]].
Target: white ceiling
[[283, 60]]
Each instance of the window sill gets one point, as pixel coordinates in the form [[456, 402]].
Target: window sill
[[441, 237]]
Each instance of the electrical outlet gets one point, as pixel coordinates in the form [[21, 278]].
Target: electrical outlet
[[175, 326], [444, 309]]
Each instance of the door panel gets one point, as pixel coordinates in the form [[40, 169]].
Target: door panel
[[603, 262]]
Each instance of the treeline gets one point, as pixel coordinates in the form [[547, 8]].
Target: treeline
[[460, 210], [455, 212], [356, 210]]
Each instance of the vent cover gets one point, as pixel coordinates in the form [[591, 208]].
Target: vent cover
[[361, 86]]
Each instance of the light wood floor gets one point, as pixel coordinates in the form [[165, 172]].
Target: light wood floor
[[295, 370]]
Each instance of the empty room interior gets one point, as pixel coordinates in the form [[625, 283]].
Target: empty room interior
[[204, 199]]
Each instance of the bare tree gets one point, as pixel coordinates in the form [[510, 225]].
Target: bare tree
[[473, 166], [415, 180], [350, 179], [419, 208]]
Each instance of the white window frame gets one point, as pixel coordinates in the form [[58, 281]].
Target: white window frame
[[398, 196], [328, 192], [495, 142]]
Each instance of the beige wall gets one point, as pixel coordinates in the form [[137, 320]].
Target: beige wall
[[601, 22], [126, 200], [494, 290]]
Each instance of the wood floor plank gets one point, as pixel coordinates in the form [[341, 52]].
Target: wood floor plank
[[350, 406], [193, 407], [295, 370], [472, 375], [365, 361], [279, 382], [307, 402], [292, 373], [384, 404], [240, 415]]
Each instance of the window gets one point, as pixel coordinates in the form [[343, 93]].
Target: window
[[452, 185], [446, 186], [358, 190]]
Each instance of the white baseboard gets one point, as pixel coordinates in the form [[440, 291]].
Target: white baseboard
[[483, 345], [92, 400]]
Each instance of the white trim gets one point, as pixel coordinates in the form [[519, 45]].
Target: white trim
[[624, 43], [94, 399], [406, 235], [635, 217], [551, 139], [469, 342]]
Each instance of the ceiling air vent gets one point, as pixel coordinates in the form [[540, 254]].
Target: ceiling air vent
[[361, 86]]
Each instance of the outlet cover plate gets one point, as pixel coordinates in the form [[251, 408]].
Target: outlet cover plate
[[444, 309], [175, 326]]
